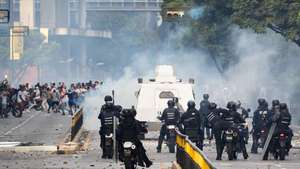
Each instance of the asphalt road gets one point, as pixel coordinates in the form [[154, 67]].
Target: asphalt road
[[91, 159], [254, 161], [49, 129], [82, 160], [36, 127]]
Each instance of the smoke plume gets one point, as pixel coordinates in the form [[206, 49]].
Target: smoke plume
[[266, 68]]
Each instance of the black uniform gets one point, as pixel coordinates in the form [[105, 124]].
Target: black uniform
[[261, 119], [106, 117], [128, 130], [218, 125], [170, 116], [234, 118], [283, 123], [191, 123], [204, 110]]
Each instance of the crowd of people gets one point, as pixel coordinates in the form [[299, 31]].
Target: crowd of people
[[48, 97]]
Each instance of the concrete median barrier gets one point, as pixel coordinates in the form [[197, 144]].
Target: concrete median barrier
[[188, 156]]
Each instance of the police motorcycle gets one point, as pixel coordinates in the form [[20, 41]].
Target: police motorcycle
[[171, 138], [263, 134], [280, 145], [242, 139], [108, 144], [171, 135], [230, 138], [130, 155], [130, 148]]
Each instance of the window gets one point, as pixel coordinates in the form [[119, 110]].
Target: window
[[166, 95]]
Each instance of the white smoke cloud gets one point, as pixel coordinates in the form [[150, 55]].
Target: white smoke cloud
[[263, 70]]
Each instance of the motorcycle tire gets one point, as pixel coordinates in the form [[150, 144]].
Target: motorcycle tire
[[230, 152], [282, 153], [129, 164], [172, 148]]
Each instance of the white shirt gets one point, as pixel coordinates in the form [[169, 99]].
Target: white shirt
[[23, 95]]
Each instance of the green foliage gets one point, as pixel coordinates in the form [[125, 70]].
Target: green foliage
[[282, 16], [212, 32]]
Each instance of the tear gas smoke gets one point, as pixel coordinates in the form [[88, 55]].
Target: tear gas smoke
[[263, 70], [196, 13]]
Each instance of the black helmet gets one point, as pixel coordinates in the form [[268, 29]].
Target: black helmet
[[283, 106], [205, 96], [191, 104], [275, 102], [133, 112], [261, 101], [126, 113], [108, 98], [231, 105], [212, 106], [171, 103]]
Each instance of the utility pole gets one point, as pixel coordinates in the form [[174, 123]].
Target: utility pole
[[115, 121]]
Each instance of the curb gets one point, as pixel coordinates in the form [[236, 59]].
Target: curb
[[27, 149], [81, 142]]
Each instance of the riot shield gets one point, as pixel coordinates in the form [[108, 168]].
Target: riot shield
[[270, 135]]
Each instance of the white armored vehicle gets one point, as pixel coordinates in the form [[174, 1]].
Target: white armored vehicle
[[153, 95]]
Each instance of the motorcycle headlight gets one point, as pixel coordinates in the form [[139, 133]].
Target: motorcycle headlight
[[133, 146], [171, 127], [127, 144]]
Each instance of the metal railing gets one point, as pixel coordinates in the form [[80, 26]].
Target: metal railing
[[119, 5], [188, 156]]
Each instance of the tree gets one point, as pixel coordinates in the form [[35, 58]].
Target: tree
[[281, 16], [212, 31]]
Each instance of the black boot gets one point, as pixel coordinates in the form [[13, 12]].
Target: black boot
[[146, 159], [254, 148], [219, 153], [158, 148], [245, 156], [148, 163], [141, 163]]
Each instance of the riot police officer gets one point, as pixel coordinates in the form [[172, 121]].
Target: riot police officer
[[261, 119], [191, 123], [170, 116], [204, 110], [106, 117], [233, 117], [284, 122], [218, 125], [274, 104], [282, 118], [128, 130]]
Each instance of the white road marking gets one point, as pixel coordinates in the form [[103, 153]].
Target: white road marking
[[20, 125], [9, 144]]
